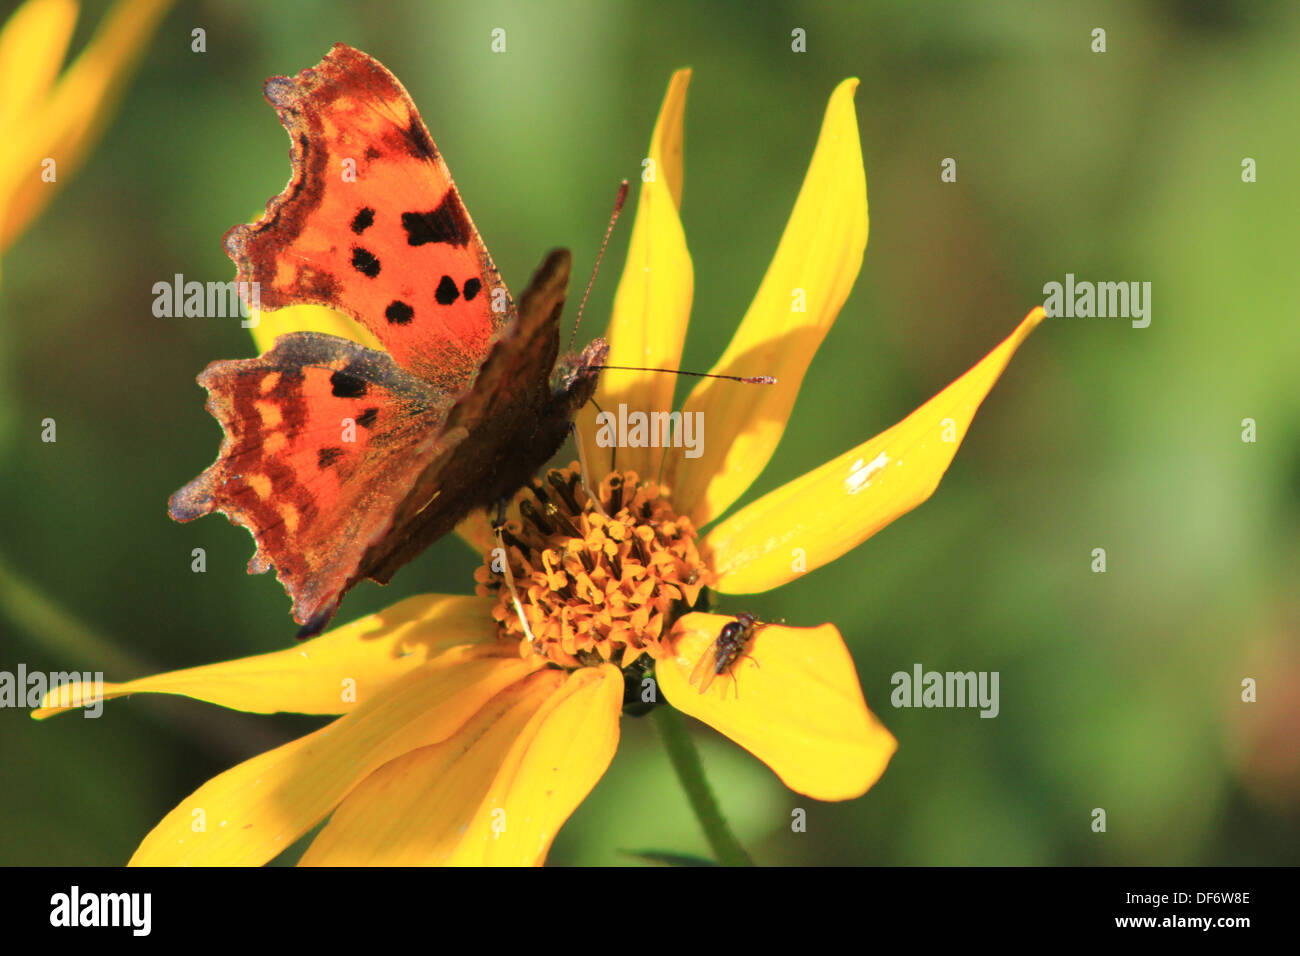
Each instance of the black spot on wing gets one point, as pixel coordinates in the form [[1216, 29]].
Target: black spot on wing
[[447, 292], [327, 456], [344, 385], [363, 220], [367, 418], [398, 312], [472, 287], [364, 261], [448, 223]]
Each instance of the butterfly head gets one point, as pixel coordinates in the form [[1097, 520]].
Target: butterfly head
[[575, 373]]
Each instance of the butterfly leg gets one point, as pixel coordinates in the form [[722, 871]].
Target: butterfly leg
[[497, 527], [582, 469], [613, 446]]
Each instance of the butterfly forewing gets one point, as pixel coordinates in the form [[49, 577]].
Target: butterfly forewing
[[372, 224]]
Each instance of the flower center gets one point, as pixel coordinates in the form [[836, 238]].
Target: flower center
[[594, 588]]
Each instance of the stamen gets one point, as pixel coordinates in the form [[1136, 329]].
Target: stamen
[[595, 586], [530, 512], [564, 488]]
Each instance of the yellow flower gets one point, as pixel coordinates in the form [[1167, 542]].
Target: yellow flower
[[466, 737], [50, 121]]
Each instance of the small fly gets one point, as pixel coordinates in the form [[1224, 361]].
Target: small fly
[[731, 643]]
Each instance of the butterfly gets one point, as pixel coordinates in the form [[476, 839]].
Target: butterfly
[[723, 653], [344, 462]]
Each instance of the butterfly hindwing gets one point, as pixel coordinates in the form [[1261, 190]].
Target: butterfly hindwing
[[372, 225], [324, 440]]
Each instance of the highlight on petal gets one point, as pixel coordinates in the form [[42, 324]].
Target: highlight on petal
[[73, 113], [496, 793], [252, 812], [837, 506], [792, 700], [330, 674], [307, 318], [810, 277], [653, 302]]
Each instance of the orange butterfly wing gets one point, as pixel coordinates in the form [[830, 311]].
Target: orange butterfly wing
[[459, 413], [372, 225], [324, 440]]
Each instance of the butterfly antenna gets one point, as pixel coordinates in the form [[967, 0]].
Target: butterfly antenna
[[613, 218], [744, 379]]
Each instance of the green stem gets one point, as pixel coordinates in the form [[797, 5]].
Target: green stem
[[686, 762], [52, 628]]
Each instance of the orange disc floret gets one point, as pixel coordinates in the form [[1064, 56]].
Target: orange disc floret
[[595, 587]]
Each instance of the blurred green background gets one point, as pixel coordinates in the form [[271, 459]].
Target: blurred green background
[[1119, 690]]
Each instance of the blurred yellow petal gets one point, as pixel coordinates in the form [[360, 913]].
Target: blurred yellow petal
[[75, 111], [249, 814], [837, 506], [653, 302], [331, 674], [792, 700], [308, 318], [496, 794], [32, 46], [807, 283]]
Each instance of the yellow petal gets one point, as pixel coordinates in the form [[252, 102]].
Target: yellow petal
[[32, 46], [496, 794], [834, 508], [653, 302], [331, 674], [252, 812], [793, 701], [814, 269], [75, 111], [266, 327]]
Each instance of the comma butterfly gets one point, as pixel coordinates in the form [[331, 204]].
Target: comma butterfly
[[345, 462]]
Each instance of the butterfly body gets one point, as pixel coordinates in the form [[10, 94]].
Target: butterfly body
[[344, 462]]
